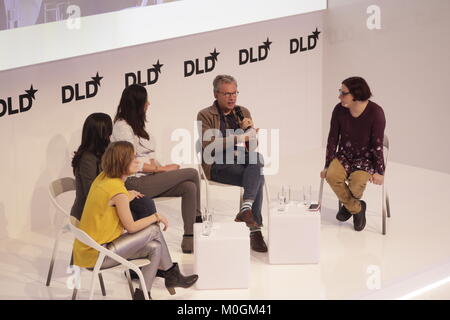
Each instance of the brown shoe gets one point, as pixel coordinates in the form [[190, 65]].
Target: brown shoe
[[257, 242], [247, 217]]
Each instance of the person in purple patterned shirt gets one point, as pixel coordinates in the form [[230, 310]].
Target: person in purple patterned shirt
[[354, 149]]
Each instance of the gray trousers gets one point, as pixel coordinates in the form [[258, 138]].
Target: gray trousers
[[182, 183], [148, 243]]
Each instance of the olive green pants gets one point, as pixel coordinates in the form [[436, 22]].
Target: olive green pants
[[349, 194]]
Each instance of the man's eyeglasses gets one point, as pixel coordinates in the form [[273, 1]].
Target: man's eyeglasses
[[230, 94], [342, 93]]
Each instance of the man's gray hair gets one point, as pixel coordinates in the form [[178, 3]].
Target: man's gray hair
[[223, 78]]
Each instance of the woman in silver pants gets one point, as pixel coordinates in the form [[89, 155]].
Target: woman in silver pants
[[107, 218]]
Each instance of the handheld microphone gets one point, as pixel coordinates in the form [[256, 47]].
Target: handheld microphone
[[241, 116]]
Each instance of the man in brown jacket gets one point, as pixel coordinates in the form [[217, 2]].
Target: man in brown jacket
[[228, 143]]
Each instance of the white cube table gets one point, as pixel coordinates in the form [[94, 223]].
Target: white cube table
[[294, 235], [222, 259]]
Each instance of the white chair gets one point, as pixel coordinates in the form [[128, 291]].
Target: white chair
[[55, 189], [124, 264], [209, 183], [384, 195]]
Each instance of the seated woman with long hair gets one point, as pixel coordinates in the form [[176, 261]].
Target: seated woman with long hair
[[86, 164], [152, 179], [106, 215]]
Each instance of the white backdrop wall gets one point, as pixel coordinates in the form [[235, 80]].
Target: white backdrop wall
[[406, 63], [283, 91]]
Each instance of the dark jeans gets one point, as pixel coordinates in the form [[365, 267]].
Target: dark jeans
[[248, 176], [143, 207]]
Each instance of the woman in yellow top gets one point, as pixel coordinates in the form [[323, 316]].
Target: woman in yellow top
[[106, 215]]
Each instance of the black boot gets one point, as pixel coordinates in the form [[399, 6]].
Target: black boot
[[343, 214], [139, 294], [133, 275], [174, 278], [359, 219]]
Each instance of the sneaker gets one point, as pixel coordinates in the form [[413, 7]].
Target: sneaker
[[359, 219]]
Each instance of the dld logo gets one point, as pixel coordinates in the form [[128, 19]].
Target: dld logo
[[297, 45], [192, 67], [136, 78], [25, 103], [91, 88], [247, 55]]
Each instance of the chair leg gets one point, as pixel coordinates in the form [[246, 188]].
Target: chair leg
[[388, 206], [91, 290], [102, 284], [241, 198], [74, 294], [267, 198], [320, 193], [207, 195], [52, 261], [383, 210], [130, 284]]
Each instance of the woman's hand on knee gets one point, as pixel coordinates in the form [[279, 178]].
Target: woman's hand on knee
[[135, 194], [162, 219]]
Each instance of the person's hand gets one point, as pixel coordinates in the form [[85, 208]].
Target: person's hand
[[246, 123], [164, 221], [323, 173], [169, 167], [377, 179], [135, 194], [248, 135]]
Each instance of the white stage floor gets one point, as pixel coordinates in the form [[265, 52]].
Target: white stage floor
[[413, 256]]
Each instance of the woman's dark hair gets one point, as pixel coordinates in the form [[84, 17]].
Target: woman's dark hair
[[132, 109], [97, 129], [358, 87]]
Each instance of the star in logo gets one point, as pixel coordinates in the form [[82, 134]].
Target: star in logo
[[97, 79], [31, 92], [214, 54], [158, 66], [316, 34], [267, 44]]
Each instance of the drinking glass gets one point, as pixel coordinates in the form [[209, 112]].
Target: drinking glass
[[207, 218], [307, 195]]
